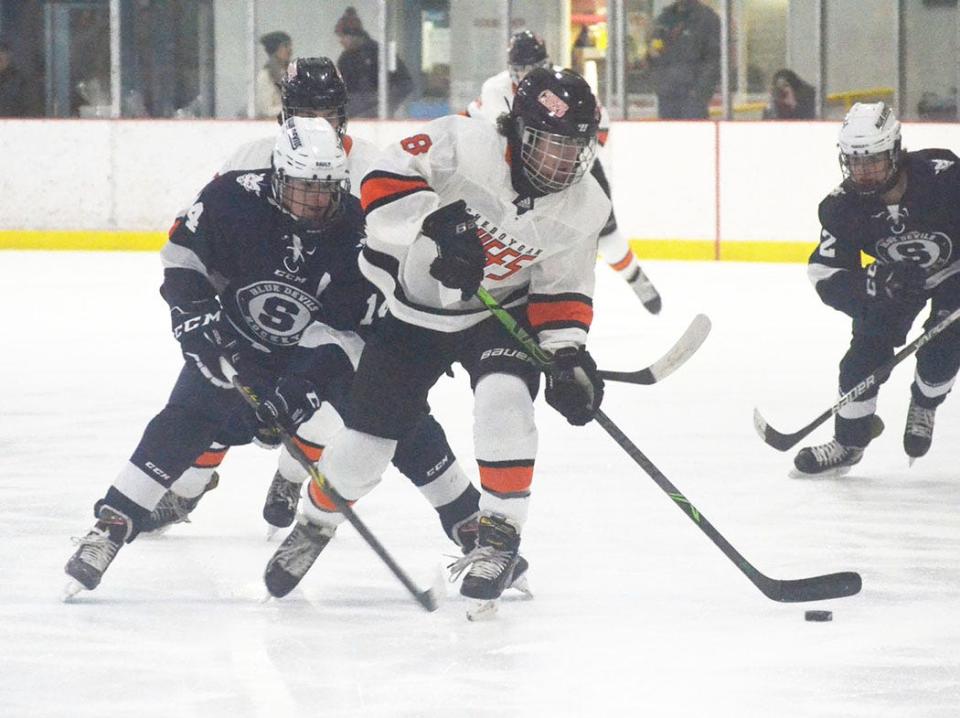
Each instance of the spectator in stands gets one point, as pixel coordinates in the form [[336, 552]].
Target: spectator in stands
[[14, 95], [790, 98], [279, 48], [684, 57], [359, 64]]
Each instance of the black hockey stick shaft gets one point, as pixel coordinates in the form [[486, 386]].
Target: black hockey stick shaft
[[426, 598], [782, 441], [815, 588]]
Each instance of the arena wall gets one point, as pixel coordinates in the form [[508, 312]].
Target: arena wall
[[744, 191]]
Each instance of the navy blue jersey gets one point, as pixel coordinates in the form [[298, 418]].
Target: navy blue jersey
[[924, 228], [273, 280]]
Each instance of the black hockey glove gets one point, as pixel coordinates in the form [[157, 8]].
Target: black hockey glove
[[292, 401], [574, 386], [460, 256], [900, 282], [204, 337]]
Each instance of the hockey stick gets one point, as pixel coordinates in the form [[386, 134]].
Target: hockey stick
[[815, 588], [685, 347], [782, 442], [426, 598]]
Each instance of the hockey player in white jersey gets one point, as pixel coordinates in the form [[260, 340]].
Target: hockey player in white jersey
[[527, 52], [458, 206], [311, 87]]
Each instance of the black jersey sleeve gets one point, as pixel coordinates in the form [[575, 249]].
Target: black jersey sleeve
[[834, 267]]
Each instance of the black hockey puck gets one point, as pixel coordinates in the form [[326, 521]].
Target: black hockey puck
[[818, 616]]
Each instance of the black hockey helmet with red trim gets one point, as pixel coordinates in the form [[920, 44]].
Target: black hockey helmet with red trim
[[312, 86], [554, 119]]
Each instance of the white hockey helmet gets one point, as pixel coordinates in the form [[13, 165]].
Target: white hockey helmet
[[310, 175], [869, 145]]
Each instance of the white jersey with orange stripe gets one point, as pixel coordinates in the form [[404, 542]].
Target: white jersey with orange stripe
[[256, 154], [540, 251], [496, 97]]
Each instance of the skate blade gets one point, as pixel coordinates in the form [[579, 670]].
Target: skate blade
[[272, 531], [523, 586], [910, 461], [482, 611], [831, 474], [72, 588]]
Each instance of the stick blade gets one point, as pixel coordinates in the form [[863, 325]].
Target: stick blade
[[816, 588], [772, 437], [685, 347]]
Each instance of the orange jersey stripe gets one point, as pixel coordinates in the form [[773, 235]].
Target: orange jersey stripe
[[347, 144], [210, 459], [541, 313], [378, 189], [506, 479], [602, 137], [623, 263]]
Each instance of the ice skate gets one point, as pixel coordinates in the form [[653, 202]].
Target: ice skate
[[918, 434], [96, 551], [495, 564], [280, 506], [174, 509], [291, 561], [826, 460], [644, 289]]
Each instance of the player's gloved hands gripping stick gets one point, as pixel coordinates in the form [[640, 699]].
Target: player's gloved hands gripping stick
[[293, 400], [460, 256], [204, 337], [901, 282], [574, 386]]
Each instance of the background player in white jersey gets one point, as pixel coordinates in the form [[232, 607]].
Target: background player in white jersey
[[311, 87], [528, 51], [458, 206], [903, 209]]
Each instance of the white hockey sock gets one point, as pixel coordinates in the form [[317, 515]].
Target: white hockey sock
[[505, 437]]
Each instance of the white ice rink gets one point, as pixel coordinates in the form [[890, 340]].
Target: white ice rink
[[636, 612]]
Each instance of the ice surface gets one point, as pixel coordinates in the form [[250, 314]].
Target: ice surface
[[636, 612]]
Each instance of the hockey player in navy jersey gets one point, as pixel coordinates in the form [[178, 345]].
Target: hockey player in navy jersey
[[903, 209], [312, 87], [527, 51], [457, 206], [261, 268]]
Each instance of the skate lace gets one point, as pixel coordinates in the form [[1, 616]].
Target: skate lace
[[920, 421], [172, 509], [829, 453], [485, 562], [644, 287], [283, 491], [298, 553], [96, 548]]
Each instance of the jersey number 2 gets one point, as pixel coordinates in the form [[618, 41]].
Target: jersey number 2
[[416, 145]]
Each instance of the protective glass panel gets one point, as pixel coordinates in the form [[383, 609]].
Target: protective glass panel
[[761, 79], [854, 31], [167, 58], [930, 61]]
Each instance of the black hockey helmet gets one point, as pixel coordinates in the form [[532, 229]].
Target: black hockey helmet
[[554, 119], [312, 87], [526, 51]]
